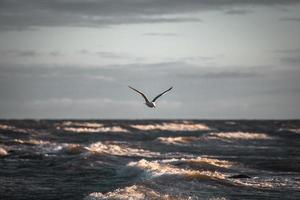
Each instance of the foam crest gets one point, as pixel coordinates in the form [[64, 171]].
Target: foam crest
[[82, 124], [31, 142], [13, 128], [157, 168], [177, 140], [88, 127], [118, 150], [268, 183], [295, 130], [201, 160], [3, 152], [94, 130], [182, 126], [239, 136], [134, 192]]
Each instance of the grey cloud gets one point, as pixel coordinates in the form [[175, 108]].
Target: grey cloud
[[19, 15], [104, 54], [75, 91], [55, 53], [28, 53], [287, 51], [291, 60], [213, 74], [19, 53], [295, 19], [237, 12], [161, 34]]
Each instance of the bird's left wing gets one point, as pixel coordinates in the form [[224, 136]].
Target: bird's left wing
[[139, 93], [161, 94]]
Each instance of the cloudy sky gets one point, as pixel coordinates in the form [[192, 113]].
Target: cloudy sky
[[224, 58]]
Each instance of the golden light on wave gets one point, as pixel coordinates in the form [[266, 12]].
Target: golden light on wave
[[157, 168], [31, 141], [13, 128], [239, 136], [210, 161], [177, 140], [135, 192], [295, 130], [183, 126], [3, 152], [119, 150], [83, 124]]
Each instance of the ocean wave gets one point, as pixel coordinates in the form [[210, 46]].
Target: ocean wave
[[88, 127], [295, 130], [47, 147], [119, 150], [95, 130], [182, 126], [201, 160], [31, 142], [177, 140], [135, 192], [15, 129], [82, 124], [268, 183], [158, 168], [3, 152], [239, 136]]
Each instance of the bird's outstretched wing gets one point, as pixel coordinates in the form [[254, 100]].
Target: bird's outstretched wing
[[139, 93], [161, 94]]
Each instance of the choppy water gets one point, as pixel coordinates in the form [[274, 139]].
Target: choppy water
[[149, 159]]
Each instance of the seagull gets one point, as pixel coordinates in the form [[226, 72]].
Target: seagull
[[152, 103]]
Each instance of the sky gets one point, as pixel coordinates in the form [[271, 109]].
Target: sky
[[226, 59]]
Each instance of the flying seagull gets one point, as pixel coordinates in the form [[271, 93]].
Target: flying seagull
[[152, 103]]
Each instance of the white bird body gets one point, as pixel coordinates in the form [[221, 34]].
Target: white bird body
[[150, 104]]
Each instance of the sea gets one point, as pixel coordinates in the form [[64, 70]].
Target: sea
[[149, 159]]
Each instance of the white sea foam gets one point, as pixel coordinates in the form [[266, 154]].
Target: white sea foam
[[135, 192], [3, 152], [239, 136], [182, 126], [87, 127], [268, 183], [177, 140], [295, 130], [201, 160], [13, 128], [158, 168], [82, 124], [119, 150], [94, 130], [32, 141]]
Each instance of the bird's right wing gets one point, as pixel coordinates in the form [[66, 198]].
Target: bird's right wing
[[139, 93], [161, 94]]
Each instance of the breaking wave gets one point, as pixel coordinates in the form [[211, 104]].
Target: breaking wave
[[158, 168], [177, 140], [268, 183], [135, 192], [119, 150], [239, 136], [81, 127], [295, 130], [3, 152], [15, 129], [202, 160], [31, 141], [183, 126]]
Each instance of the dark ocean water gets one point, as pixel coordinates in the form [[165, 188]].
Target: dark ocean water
[[149, 159]]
